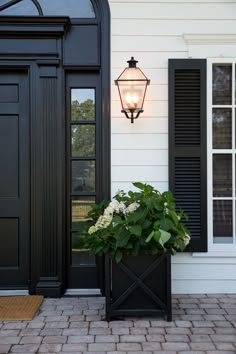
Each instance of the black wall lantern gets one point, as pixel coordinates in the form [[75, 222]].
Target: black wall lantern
[[132, 86]]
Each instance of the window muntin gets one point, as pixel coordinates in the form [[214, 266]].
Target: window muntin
[[71, 8], [221, 154]]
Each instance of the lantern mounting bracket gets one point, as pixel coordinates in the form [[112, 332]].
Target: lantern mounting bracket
[[132, 114]]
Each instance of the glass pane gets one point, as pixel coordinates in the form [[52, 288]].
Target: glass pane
[[83, 140], [80, 207], [222, 128], [23, 8], [72, 8], [79, 256], [82, 104], [222, 175], [2, 2], [83, 176], [222, 218], [222, 84]]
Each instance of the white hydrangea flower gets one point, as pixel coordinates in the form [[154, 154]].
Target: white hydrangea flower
[[103, 221], [122, 207], [131, 208], [92, 229], [186, 239]]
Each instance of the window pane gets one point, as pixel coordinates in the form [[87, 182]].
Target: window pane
[[222, 84], [82, 104], [2, 2], [23, 8], [72, 8], [222, 218], [222, 175], [83, 176], [80, 206], [222, 128], [80, 256], [83, 140]]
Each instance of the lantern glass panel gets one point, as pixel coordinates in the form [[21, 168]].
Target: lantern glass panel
[[132, 95]]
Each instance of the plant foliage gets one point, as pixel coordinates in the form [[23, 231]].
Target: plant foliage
[[132, 223]]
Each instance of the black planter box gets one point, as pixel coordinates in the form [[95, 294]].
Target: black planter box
[[138, 286]]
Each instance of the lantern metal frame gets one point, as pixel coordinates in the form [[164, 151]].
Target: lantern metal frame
[[132, 112]]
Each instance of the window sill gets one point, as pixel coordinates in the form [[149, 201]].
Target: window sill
[[214, 254]]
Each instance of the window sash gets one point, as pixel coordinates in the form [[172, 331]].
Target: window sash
[[217, 244]]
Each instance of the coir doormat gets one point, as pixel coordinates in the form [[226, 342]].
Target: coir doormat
[[17, 308]]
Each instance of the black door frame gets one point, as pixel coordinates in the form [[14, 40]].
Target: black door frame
[[48, 263]]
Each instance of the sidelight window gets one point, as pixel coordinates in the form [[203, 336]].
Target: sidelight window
[[222, 152], [82, 167]]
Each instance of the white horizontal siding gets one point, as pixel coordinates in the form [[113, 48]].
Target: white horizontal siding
[[126, 186], [154, 59], [203, 274], [169, 27], [143, 125], [139, 157], [153, 32], [139, 141], [149, 43], [178, 10], [129, 173]]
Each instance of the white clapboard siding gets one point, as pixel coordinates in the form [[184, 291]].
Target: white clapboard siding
[[127, 186], [196, 286], [139, 141], [165, 27], [214, 271], [154, 59], [151, 10], [171, 2], [153, 31], [128, 173], [141, 125], [139, 157], [149, 43]]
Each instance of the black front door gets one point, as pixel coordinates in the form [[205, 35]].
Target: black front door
[[14, 180]]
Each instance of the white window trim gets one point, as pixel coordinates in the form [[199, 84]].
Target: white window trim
[[220, 247]]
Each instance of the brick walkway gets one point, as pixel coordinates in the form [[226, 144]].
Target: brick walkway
[[202, 324]]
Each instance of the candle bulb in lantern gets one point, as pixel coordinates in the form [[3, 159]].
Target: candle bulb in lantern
[[132, 100]]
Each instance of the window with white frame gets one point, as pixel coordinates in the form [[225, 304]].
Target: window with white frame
[[221, 153]]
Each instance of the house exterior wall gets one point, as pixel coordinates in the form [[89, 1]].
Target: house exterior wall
[[153, 32]]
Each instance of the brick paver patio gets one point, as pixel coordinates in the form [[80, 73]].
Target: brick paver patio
[[202, 324]]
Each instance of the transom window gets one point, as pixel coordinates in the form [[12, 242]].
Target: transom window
[[222, 153], [71, 8]]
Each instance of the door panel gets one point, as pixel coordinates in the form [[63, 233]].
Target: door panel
[[14, 180]]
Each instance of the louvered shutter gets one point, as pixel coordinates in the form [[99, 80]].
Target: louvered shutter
[[187, 144]]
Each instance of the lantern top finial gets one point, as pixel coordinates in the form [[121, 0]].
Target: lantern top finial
[[132, 62]]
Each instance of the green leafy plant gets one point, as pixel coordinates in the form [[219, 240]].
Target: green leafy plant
[[142, 222]]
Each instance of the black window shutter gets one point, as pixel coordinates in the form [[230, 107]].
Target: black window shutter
[[187, 145]]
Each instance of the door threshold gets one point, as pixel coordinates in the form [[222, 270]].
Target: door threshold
[[13, 292], [83, 292]]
